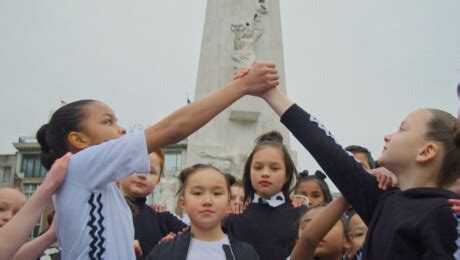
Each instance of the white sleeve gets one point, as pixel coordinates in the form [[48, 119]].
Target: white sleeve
[[109, 161]]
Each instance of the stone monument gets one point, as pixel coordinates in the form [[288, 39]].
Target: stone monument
[[236, 32], [165, 192]]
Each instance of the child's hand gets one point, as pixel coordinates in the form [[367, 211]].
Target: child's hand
[[241, 74], [455, 205], [56, 174], [137, 248], [385, 178], [260, 78], [299, 200], [238, 208], [159, 208], [184, 230], [168, 237]]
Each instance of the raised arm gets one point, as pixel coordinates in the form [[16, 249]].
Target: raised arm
[[278, 101], [16, 232], [188, 119], [318, 228], [358, 186]]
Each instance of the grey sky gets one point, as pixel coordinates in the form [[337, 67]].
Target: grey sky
[[359, 66]]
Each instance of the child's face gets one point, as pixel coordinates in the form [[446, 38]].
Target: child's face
[[237, 195], [139, 185], [101, 124], [357, 233], [268, 171], [402, 146], [206, 198], [332, 244], [313, 191], [11, 201]]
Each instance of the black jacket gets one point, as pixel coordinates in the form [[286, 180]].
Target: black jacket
[[150, 226], [177, 249], [412, 224], [271, 231]]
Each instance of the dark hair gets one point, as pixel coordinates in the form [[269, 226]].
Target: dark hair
[[161, 156], [189, 171], [52, 137], [230, 179], [238, 183], [320, 178], [444, 128], [360, 149], [272, 139]]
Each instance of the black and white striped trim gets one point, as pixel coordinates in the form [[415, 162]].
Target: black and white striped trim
[[96, 227]]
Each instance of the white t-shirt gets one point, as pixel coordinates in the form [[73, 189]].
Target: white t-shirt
[[94, 221], [199, 250]]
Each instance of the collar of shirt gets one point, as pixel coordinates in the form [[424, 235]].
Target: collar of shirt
[[275, 201]]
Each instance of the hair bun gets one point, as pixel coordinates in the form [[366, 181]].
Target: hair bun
[[320, 175], [46, 157], [303, 173], [41, 138], [456, 134], [272, 136]]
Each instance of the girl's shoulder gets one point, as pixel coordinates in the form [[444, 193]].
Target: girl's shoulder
[[172, 249], [243, 250]]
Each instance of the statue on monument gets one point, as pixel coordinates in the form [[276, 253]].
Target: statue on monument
[[246, 36], [227, 163], [166, 190]]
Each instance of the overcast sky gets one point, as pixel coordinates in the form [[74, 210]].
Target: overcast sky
[[359, 66]]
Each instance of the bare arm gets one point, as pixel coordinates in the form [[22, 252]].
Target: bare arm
[[188, 119], [35, 248], [17, 230], [318, 228], [277, 100]]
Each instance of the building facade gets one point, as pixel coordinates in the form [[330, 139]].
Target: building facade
[[25, 171]]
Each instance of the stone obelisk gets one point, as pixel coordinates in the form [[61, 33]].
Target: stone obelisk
[[236, 32]]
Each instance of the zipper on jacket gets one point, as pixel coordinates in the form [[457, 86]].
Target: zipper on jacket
[[231, 251]]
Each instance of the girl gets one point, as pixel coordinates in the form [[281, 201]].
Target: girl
[[356, 231], [16, 231], [149, 226], [237, 190], [11, 201], [205, 195], [322, 235], [268, 223], [414, 221], [94, 220], [322, 232], [314, 188]]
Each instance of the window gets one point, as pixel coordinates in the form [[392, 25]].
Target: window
[[32, 167], [6, 174], [29, 188], [173, 162]]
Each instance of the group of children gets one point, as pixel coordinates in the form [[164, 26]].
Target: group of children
[[101, 211]]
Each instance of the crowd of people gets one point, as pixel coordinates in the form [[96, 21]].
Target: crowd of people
[[397, 207]]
